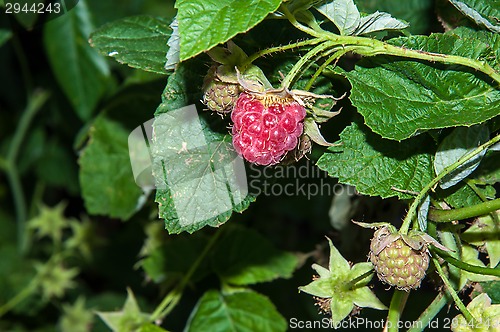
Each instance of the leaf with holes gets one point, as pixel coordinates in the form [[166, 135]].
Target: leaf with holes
[[200, 179]]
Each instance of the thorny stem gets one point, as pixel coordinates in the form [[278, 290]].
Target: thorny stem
[[371, 47], [464, 266], [325, 64], [420, 197], [468, 316], [271, 50], [387, 49], [465, 212], [173, 297], [398, 302], [304, 61]]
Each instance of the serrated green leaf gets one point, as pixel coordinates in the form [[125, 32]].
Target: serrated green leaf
[[80, 71], [174, 46], [240, 311], [106, 177], [462, 195], [483, 13], [199, 179], [458, 143], [181, 89], [138, 41], [379, 22], [300, 5], [374, 165], [343, 13], [204, 24], [429, 96], [244, 257], [4, 36]]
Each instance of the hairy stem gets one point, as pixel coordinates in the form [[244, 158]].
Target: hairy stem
[[465, 212], [468, 316], [421, 196], [396, 307], [283, 48], [370, 47], [304, 62], [481, 66], [335, 56]]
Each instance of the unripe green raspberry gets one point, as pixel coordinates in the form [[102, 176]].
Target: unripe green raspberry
[[219, 96], [399, 260]]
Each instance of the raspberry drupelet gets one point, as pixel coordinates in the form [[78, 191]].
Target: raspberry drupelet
[[266, 127]]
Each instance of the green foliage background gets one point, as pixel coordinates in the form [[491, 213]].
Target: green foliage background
[[76, 232]]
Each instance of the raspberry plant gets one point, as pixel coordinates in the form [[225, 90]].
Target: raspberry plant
[[397, 99]]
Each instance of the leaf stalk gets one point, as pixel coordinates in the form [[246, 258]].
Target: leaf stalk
[[420, 197]]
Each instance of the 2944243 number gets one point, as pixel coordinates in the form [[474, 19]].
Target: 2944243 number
[[36, 8]]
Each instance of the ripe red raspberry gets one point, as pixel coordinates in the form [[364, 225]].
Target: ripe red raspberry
[[266, 126]]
